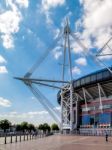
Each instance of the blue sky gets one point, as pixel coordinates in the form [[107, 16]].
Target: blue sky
[[27, 30]]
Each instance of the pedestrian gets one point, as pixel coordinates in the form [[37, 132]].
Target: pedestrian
[[106, 137]]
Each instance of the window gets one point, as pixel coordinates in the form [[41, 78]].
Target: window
[[75, 84], [105, 118], [85, 119], [83, 81], [93, 78], [106, 74], [78, 83], [106, 106], [87, 79], [99, 76]]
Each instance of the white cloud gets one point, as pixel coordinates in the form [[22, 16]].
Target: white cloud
[[37, 113], [76, 70], [76, 48], [23, 3], [31, 114], [2, 59], [10, 21], [13, 113], [9, 24], [4, 102], [58, 108], [3, 70], [36, 117], [57, 53], [81, 61], [7, 41], [47, 4], [96, 22], [56, 33]]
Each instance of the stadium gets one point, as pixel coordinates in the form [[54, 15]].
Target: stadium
[[92, 105], [85, 102]]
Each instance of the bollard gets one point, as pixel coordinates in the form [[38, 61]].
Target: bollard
[[16, 138], [20, 137], [5, 142], [30, 136], [11, 139], [27, 137], [35, 136], [24, 137]]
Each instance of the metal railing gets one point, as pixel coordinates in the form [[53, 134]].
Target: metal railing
[[19, 137], [95, 131]]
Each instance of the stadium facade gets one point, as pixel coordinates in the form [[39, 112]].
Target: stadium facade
[[92, 101]]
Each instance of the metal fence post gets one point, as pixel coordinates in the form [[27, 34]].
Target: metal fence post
[[16, 138], [27, 137], [11, 139], [20, 137], [24, 137], [5, 142]]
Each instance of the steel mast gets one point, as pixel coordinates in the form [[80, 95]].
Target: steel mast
[[67, 101]]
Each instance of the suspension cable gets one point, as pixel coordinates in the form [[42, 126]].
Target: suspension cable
[[38, 96], [94, 57], [39, 61]]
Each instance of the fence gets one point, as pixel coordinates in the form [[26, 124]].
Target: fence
[[95, 132], [14, 138]]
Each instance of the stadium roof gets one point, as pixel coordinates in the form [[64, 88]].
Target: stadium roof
[[91, 84]]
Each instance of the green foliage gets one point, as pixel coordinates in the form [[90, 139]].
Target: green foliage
[[24, 126], [31, 127], [40, 127], [5, 124], [45, 127], [54, 127], [18, 127]]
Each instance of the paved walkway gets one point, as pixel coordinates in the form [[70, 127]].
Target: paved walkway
[[61, 142]]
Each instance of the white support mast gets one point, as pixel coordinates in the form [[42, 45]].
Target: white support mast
[[67, 113]]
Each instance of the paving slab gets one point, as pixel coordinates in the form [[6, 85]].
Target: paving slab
[[61, 142]]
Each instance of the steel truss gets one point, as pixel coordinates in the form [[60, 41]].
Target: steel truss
[[101, 93], [69, 109]]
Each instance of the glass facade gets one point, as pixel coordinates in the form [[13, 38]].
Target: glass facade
[[85, 119], [103, 118]]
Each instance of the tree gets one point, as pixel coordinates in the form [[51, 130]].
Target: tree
[[31, 127], [44, 127], [5, 124], [54, 127], [24, 126], [41, 127], [18, 127]]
